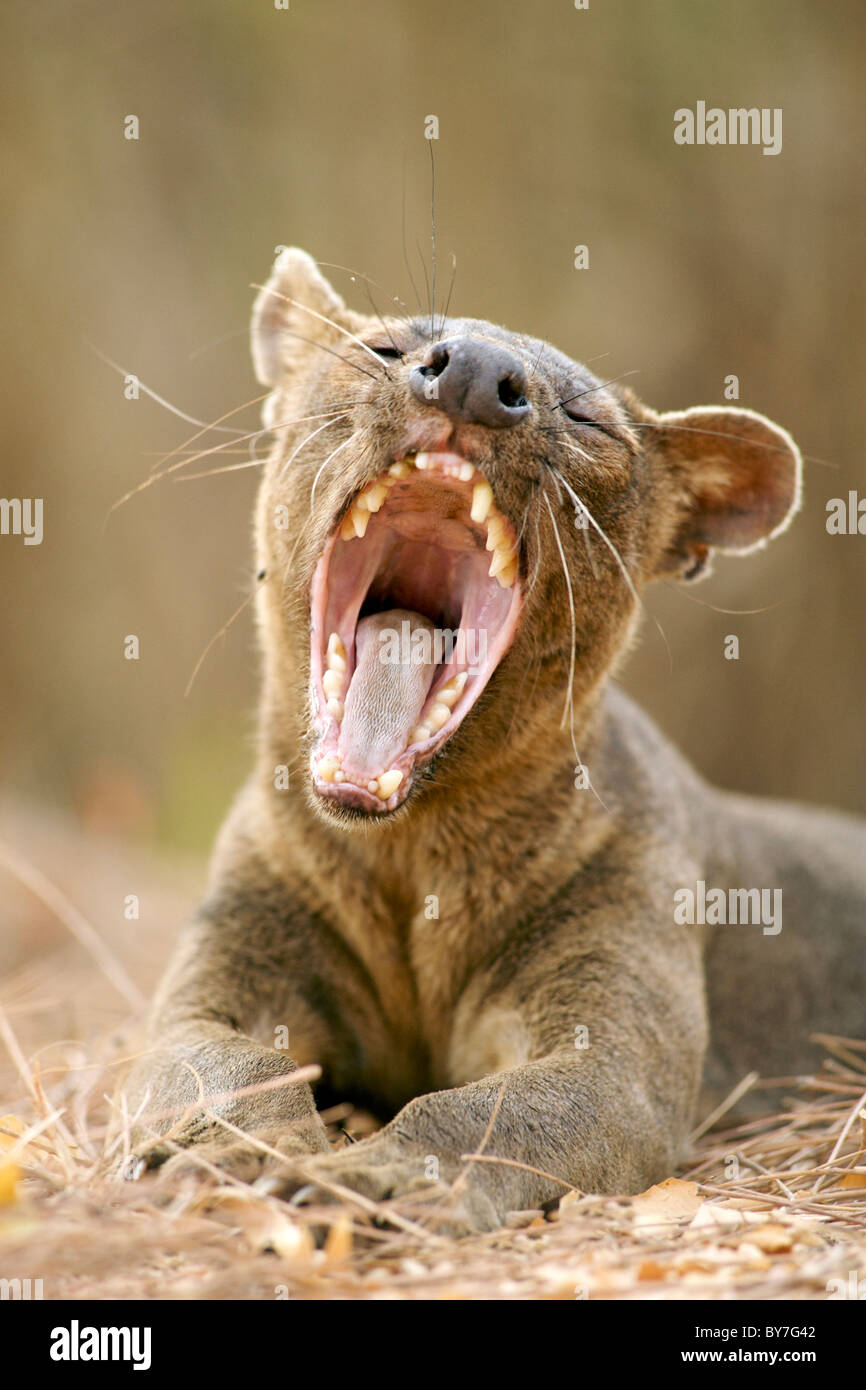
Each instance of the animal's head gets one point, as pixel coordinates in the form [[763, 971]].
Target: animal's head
[[455, 526]]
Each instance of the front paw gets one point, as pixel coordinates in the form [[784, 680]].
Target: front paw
[[385, 1169], [204, 1150]]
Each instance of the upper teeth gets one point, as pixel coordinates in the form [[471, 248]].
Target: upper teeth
[[482, 501], [503, 566]]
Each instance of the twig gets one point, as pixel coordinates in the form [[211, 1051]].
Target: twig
[[69, 915]]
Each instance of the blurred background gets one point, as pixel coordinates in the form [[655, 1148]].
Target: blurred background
[[261, 126]]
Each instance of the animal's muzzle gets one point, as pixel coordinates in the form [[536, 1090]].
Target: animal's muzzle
[[473, 381]]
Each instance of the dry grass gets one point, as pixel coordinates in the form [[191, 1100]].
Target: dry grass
[[774, 1209]]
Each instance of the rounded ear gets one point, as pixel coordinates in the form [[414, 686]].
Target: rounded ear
[[292, 306], [737, 483]]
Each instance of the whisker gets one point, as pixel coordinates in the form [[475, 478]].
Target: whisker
[[181, 414], [535, 572], [314, 342], [423, 267], [432, 238], [444, 317], [323, 318], [586, 360], [206, 428], [589, 390], [215, 342], [182, 463], [734, 612], [405, 252], [568, 710], [368, 280], [253, 436], [312, 435], [695, 429], [579, 503], [537, 360], [223, 630], [323, 466], [375, 308], [569, 698], [157, 453], [300, 534], [212, 472]]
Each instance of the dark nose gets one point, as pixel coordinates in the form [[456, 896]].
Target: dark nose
[[472, 380]]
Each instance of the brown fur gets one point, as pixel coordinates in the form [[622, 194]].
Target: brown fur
[[555, 905]]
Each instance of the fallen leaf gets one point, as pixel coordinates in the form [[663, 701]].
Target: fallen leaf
[[265, 1227], [517, 1219], [771, 1238], [695, 1265], [670, 1201], [712, 1217], [338, 1243], [9, 1176], [570, 1199]]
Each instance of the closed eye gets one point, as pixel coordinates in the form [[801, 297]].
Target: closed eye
[[578, 419], [388, 351], [581, 419]]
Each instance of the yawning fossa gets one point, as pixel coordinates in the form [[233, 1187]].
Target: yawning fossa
[[461, 901]]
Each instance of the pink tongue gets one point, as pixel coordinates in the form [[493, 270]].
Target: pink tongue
[[386, 694]]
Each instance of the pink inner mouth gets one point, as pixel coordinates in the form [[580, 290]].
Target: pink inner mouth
[[407, 625]]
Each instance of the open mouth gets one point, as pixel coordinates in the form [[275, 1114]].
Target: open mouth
[[414, 602]]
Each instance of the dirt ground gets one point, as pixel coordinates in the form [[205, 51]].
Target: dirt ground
[[774, 1209]]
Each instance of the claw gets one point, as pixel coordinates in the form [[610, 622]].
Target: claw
[[302, 1194], [133, 1168]]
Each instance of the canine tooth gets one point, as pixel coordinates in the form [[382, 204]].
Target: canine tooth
[[482, 501], [451, 691], [466, 472], [401, 469], [376, 496], [389, 782], [507, 576], [495, 531], [347, 528], [333, 683], [420, 734], [360, 520], [335, 708], [503, 555], [436, 716], [328, 769]]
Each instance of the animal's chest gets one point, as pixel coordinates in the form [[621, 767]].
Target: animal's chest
[[412, 962]]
